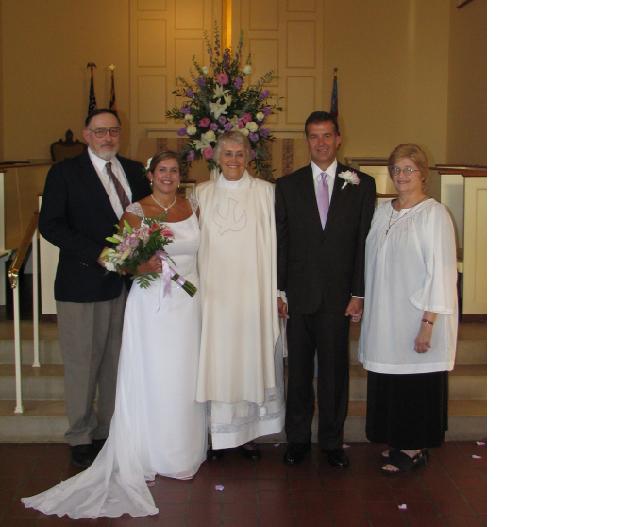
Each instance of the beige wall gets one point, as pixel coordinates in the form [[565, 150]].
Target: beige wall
[[45, 49], [467, 109], [392, 60], [2, 128]]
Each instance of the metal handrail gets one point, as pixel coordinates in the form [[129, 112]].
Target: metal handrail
[[30, 238]]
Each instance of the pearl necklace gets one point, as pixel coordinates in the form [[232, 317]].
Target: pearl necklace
[[165, 209]]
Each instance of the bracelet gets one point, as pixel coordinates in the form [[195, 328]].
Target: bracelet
[[427, 322]]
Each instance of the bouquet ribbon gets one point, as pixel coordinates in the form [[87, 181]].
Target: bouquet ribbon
[[169, 273]]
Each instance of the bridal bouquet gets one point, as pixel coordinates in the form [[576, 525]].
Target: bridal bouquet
[[219, 99], [135, 246]]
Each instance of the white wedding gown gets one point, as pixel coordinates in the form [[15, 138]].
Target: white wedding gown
[[157, 427]]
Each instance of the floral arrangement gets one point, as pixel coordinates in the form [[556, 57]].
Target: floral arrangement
[[218, 100], [349, 177], [135, 246]]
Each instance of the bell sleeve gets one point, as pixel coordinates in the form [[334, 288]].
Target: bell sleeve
[[436, 239]]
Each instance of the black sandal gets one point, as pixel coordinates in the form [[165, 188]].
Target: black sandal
[[403, 462], [250, 451]]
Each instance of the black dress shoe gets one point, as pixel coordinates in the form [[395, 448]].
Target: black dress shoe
[[337, 458], [82, 456], [216, 455], [98, 444], [250, 451], [295, 454]]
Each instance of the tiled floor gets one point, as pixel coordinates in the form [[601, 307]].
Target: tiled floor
[[450, 491]]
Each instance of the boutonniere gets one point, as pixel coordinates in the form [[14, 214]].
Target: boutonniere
[[147, 166], [350, 178]]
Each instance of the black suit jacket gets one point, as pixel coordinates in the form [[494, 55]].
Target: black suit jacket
[[76, 216], [320, 269]]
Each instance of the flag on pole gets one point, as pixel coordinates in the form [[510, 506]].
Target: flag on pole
[[92, 94], [334, 94], [112, 97]]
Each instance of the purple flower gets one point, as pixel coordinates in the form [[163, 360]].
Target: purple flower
[[222, 78], [185, 109], [204, 122], [182, 131], [191, 155], [228, 126], [238, 82], [213, 126], [254, 137], [264, 132], [264, 94], [267, 111], [222, 119], [252, 155], [202, 82], [189, 92]]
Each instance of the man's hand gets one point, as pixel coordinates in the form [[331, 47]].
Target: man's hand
[[354, 309], [282, 308]]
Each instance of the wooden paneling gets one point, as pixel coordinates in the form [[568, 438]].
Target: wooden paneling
[[165, 35], [292, 46], [474, 285], [190, 14], [152, 43]]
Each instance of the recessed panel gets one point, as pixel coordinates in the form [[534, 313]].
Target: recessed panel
[[300, 100], [301, 5], [264, 57], [152, 5], [152, 36], [301, 44], [263, 15], [186, 48], [189, 14], [152, 99]]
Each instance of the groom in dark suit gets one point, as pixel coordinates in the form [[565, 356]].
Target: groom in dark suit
[[83, 199], [323, 214]]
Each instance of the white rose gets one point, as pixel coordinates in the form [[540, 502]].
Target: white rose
[[247, 69], [191, 130], [205, 70], [188, 117], [259, 116], [244, 131], [209, 136], [251, 126]]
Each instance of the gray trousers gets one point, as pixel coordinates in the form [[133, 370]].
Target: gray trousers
[[90, 336]]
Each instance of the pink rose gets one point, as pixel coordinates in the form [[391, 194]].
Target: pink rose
[[222, 78], [208, 153], [166, 232], [204, 122]]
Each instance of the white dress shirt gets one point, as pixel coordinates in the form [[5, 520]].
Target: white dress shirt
[[101, 169], [331, 176]]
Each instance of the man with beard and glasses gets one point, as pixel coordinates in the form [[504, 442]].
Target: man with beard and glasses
[[83, 199]]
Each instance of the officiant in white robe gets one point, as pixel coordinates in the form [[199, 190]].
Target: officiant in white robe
[[240, 370]]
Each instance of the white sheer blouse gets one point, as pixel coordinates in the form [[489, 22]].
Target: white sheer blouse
[[410, 268]]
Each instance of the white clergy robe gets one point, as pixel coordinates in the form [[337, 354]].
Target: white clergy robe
[[240, 371]]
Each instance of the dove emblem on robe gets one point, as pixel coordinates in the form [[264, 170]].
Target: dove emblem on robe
[[229, 216]]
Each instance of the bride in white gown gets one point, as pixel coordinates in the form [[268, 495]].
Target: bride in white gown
[[157, 428]]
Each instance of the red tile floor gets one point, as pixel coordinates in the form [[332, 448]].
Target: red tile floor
[[450, 491]]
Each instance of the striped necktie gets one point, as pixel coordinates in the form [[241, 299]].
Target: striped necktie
[[120, 191]]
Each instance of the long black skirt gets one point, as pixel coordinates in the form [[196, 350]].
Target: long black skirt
[[407, 412]]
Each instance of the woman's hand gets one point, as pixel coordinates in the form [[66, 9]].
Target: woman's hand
[[152, 265], [423, 340]]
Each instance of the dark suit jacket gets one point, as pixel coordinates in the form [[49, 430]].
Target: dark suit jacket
[[320, 269], [76, 216]]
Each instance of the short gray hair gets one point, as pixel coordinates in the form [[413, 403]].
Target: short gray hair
[[235, 137]]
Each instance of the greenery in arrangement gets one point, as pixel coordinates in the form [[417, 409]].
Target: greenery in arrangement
[[219, 98]]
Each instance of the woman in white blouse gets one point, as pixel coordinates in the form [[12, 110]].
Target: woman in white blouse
[[410, 324]]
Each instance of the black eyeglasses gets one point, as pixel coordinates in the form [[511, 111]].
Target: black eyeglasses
[[102, 132], [407, 171]]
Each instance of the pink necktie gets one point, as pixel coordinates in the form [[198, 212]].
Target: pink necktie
[[322, 197]]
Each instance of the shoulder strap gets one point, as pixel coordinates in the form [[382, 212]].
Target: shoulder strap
[[136, 208]]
